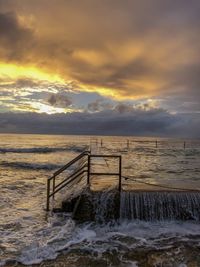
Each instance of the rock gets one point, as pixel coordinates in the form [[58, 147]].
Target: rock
[[94, 206]]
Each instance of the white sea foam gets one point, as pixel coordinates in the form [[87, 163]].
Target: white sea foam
[[103, 238]]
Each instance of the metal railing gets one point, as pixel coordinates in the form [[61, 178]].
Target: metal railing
[[118, 173], [84, 167], [129, 143], [53, 188]]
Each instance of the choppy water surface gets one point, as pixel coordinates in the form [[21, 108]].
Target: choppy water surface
[[28, 235]]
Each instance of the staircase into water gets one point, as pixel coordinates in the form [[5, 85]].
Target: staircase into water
[[91, 187], [85, 171]]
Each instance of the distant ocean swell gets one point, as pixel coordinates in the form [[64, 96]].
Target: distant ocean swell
[[29, 166], [41, 149]]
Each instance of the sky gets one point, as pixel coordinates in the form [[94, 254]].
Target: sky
[[100, 67]]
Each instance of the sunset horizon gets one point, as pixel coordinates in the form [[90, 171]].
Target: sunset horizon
[[133, 66], [100, 133]]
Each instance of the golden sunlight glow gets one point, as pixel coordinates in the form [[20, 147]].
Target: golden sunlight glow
[[122, 95], [104, 91], [44, 108], [16, 72]]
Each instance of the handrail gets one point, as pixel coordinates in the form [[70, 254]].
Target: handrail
[[69, 179], [84, 167], [69, 164], [119, 173], [67, 182]]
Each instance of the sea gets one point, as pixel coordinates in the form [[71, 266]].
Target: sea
[[29, 235]]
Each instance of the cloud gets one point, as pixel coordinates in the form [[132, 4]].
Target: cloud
[[127, 43], [59, 100], [122, 107], [123, 50], [22, 44], [154, 122], [99, 105], [15, 39]]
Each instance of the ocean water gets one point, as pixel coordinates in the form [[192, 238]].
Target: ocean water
[[29, 235]]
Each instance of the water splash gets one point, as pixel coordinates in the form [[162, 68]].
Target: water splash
[[160, 206]]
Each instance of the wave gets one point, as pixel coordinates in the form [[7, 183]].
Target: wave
[[30, 166], [41, 149], [90, 239]]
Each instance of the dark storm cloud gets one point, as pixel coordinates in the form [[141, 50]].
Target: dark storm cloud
[[99, 105], [11, 30], [20, 43], [14, 38], [59, 100], [155, 122], [124, 108]]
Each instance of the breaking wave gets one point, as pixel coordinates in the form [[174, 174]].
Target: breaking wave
[[115, 244]]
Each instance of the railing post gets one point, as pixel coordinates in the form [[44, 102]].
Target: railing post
[[127, 144], [88, 172], [48, 193], [53, 187], [120, 173]]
